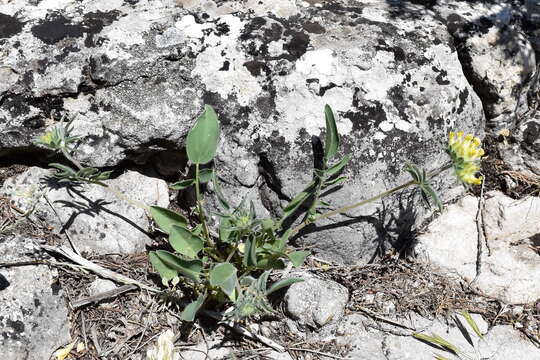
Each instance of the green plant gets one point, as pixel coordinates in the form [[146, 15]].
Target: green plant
[[231, 264], [439, 342], [221, 267]]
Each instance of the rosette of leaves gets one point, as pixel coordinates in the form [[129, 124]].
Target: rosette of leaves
[[232, 264], [60, 140]]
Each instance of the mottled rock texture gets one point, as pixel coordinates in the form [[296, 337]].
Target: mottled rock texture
[[33, 313], [136, 74], [95, 219]]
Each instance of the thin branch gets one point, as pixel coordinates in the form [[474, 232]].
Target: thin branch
[[102, 296]]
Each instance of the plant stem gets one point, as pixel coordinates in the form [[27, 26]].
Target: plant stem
[[109, 188], [200, 208], [344, 209]]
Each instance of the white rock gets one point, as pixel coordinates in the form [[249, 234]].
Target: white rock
[[510, 273], [97, 221], [33, 314], [99, 286], [316, 302]]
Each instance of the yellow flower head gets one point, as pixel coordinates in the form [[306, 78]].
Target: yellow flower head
[[466, 153], [46, 138]]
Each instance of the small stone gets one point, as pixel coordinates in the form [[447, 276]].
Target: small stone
[[99, 286], [316, 302]]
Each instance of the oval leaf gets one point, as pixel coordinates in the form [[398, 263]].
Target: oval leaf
[[224, 276], [332, 138], [298, 257], [202, 140], [184, 242], [192, 309], [166, 218], [164, 271], [189, 268]]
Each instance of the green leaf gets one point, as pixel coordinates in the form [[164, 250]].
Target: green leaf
[[189, 268], [429, 192], [336, 168], [336, 181], [202, 140], [298, 257], [184, 242], [260, 285], [297, 201], [472, 323], [415, 173], [267, 224], [191, 310], [166, 218], [332, 138], [282, 283], [104, 175], [250, 252], [164, 271], [225, 230], [270, 262], [181, 185], [223, 275], [66, 169], [205, 175]]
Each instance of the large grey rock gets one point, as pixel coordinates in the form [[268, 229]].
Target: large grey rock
[[316, 302], [511, 271], [136, 74], [95, 219], [33, 314]]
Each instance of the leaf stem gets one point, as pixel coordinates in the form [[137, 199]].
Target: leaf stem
[[200, 208], [109, 188], [344, 209]]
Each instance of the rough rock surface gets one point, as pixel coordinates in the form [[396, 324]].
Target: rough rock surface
[[371, 342], [523, 152], [510, 270], [33, 313], [316, 302], [137, 74], [497, 58], [95, 219]]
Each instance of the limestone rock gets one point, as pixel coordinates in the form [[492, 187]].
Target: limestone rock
[[96, 220], [33, 316], [137, 74], [512, 228], [316, 302], [497, 57]]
